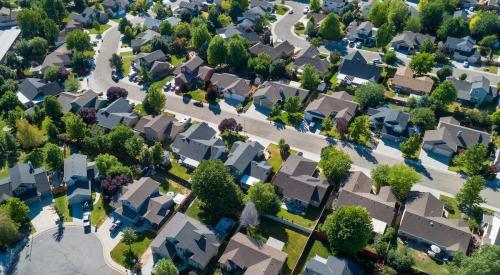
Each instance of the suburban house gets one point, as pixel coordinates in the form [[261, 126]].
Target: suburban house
[[332, 266], [174, 21], [77, 177], [393, 124], [33, 91], [89, 16], [335, 6], [152, 24], [159, 128], [473, 91], [463, 49], [423, 221], [355, 70], [339, 106], [311, 56], [271, 93], [491, 225], [60, 57], [300, 182], [8, 17], [409, 41], [198, 143], [231, 30], [283, 50], [188, 239], [365, 6], [144, 38], [142, 201], [359, 191], [24, 182], [70, 26], [493, 5], [247, 19], [8, 37], [72, 102], [405, 81], [115, 8], [119, 111], [155, 62], [262, 4], [244, 255], [191, 73], [231, 86], [364, 32], [450, 136], [192, 7], [246, 161]]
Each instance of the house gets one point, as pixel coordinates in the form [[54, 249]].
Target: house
[[247, 19], [142, 39], [271, 93], [359, 191], [70, 26], [191, 73], [72, 102], [463, 49], [335, 6], [493, 5], [155, 62], [231, 86], [8, 17], [159, 128], [475, 91], [409, 41], [332, 266], [423, 222], [282, 50], [355, 70], [245, 255], [393, 124], [116, 8], [300, 182], [24, 182], [246, 161], [198, 143], [187, 239], [174, 21], [450, 136], [311, 56], [77, 177], [33, 91], [365, 6], [8, 37], [405, 81], [262, 4], [231, 30], [89, 16], [491, 225], [466, 4], [152, 24], [191, 7], [339, 106], [142, 201], [60, 57], [364, 32], [119, 111]]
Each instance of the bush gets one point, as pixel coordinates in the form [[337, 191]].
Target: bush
[[299, 26]]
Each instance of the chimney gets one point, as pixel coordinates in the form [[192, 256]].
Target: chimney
[[282, 94], [30, 166]]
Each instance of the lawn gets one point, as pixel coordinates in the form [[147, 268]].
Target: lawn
[[320, 248], [194, 210], [100, 212], [61, 203], [102, 28], [176, 60], [333, 80], [299, 32], [119, 252], [167, 184], [281, 10], [424, 263], [198, 95], [307, 219], [230, 138], [127, 61], [492, 69], [4, 172], [294, 241], [247, 105], [178, 170], [284, 118], [455, 213], [139, 109], [161, 83], [275, 160]]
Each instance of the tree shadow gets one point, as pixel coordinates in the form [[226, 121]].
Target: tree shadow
[[419, 168], [59, 234]]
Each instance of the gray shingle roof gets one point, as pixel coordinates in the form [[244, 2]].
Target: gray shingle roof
[[312, 56], [32, 88], [242, 154], [355, 65], [281, 50], [139, 191], [332, 266], [75, 165], [119, 111], [230, 82], [199, 142], [275, 92], [340, 104]]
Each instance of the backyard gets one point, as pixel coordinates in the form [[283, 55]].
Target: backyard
[[121, 251], [307, 219], [100, 212], [178, 170], [194, 210], [275, 160], [318, 247], [62, 206], [424, 263], [167, 184]]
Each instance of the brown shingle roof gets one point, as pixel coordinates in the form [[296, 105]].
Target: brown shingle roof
[[404, 77], [340, 103]]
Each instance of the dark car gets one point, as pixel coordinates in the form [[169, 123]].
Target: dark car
[[198, 104]]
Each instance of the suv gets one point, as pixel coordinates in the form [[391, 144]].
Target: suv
[[86, 219], [115, 225]]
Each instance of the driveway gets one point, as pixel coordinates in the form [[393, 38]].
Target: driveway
[[69, 251], [42, 214]]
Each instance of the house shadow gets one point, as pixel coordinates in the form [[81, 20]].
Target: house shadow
[[493, 184], [419, 168], [36, 207], [437, 157]]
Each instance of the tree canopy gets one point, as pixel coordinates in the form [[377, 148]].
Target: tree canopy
[[370, 95], [422, 63], [330, 28], [264, 197], [335, 164]]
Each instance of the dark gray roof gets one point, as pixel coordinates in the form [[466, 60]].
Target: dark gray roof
[[75, 165], [149, 58], [281, 50], [393, 122], [139, 191], [340, 104], [199, 142], [275, 92], [355, 65], [231, 30], [85, 98], [144, 38], [464, 87], [311, 56], [119, 111], [242, 154], [411, 39], [453, 43], [332, 266], [230, 82], [152, 23], [32, 88]]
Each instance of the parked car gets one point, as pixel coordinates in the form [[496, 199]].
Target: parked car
[[351, 44], [116, 76], [359, 45], [168, 87], [466, 64], [86, 219], [291, 11], [198, 104], [306, 10], [115, 225]]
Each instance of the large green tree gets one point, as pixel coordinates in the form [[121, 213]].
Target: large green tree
[[422, 63], [264, 197], [216, 52], [154, 102], [237, 54], [52, 107], [445, 93], [199, 36], [78, 40], [359, 130], [9, 233], [423, 118], [431, 16], [484, 261], [28, 136], [309, 77], [335, 164], [473, 160], [54, 156], [330, 28], [469, 196], [75, 126], [370, 95], [165, 267], [401, 178]]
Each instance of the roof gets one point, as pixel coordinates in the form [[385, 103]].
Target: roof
[[311, 56], [423, 218], [279, 51], [198, 143], [75, 165], [405, 78], [144, 38], [299, 179], [231, 30], [119, 111], [355, 64], [85, 98], [465, 42], [60, 57], [393, 122], [32, 88], [189, 69], [149, 58], [65, 99], [332, 266], [411, 39], [465, 87], [195, 238], [340, 104], [139, 191], [242, 154], [231, 83], [252, 257], [160, 123], [275, 92], [23, 173], [8, 37]]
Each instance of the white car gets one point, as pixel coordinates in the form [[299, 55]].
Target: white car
[[291, 11], [86, 219], [306, 10], [115, 225], [359, 45], [466, 64]]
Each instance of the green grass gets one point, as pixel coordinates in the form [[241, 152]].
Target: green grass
[[247, 105], [144, 239], [333, 80], [61, 203], [320, 248], [371, 49], [294, 241], [300, 32], [275, 160], [284, 118], [198, 95], [127, 61], [167, 184], [194, 210], [178, 170], [307, 219], [492, 69], [4, 172], [281, 10], [100, 212], [161, 83], [102, 28], [454, 205], [230, 138], [176, 60], [424, 263], [139, 108]]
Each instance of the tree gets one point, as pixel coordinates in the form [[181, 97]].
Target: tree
[[72, 84], [453, 26], [105, 162], [36, 157], [165, 267], [17, 210], [428, 46], [309, 78], [380, 175], [359, 129], [411, 146], [39, 47], [484, 23], [118, 136], [398, 13], [29, 136], [327, 124], [330, 28], [495, 120], [443, 73], [50, 74], [80, 62], [264, 197], [237, 55], [216, 52], [128, 237], [292, 104], [134, 145], [311, 28], [445, 93], [154, 102], [52, 107], [30, 22], [349, 229], [314, 5], [423, 118], [78, 40], [390, 58], [472, 160], [378, 13], [116, 62], [431, 16], [230, 124], [165, 28], [54, 156], [260, 65], [75, 127], [157, 153], [277, 69], [401, 178], [55, 9], [384, 35], [200, 36], [422, 63], [88, 115], [483, 261], [402, 260], [124, 23], [114, 93], [284, 148], [370, 95], [469, 195], [215, 188], [9, 101], [9, 233], [249, 217], [335, 164]]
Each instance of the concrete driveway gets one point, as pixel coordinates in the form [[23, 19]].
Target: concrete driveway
[[42, 214], [66, 251]]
